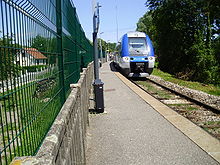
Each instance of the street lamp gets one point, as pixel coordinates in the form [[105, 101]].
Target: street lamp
[[108, 44], [98, 84], [108, 52]]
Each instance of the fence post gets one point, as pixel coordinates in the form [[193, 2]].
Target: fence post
[[60, 49]]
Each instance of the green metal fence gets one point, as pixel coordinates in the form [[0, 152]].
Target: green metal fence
[[42, 50]]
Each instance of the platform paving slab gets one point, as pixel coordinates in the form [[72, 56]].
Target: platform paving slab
[[132, 132], [204, 140]]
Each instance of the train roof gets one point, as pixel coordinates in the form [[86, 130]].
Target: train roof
[[132, 34], [136, 34]]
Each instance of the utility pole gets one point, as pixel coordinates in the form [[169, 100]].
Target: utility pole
[[101, 53], [116, 9], [108, 51], [98, 84]]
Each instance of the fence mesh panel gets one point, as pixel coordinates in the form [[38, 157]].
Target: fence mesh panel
[[42, 51]]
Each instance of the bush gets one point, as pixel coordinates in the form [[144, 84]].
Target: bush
[[9, 70], [33, 68]]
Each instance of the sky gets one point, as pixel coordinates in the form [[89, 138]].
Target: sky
[[126, 12]]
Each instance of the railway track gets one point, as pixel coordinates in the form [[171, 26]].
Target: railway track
[[203, 115]]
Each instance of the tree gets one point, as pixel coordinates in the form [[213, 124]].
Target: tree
[[111, 46], [106, 45], [145, 24], [103, 43], [40, 43], [47, 46], [176, 25], [44, 44], [8, 52], [216, 47], [185, 30]]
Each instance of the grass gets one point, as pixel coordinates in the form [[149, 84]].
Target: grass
[[152, 89], [189, 108], [177, 105], [212, 123], [207, 88], [35, 116]]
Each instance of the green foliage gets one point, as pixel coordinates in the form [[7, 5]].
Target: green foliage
[[44, 44], [184, 34], [106, 45], [103, 44], [8, 52], [209, 88], [9, 71], [145, 24], [216, 47], [204, 65], [111, 46], [40, 43], [33, 68]]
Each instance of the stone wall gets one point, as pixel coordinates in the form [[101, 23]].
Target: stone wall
[[65, 142]]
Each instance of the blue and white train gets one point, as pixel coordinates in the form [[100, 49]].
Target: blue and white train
[[135, 55]]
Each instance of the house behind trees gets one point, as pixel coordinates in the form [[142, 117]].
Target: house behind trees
[[30, 57]]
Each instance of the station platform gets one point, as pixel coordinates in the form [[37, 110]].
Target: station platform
[[136, 129]]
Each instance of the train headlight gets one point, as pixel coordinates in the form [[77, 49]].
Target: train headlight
[[126, 59], [150, 58]]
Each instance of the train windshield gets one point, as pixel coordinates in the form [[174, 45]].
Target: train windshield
[[137, 45]]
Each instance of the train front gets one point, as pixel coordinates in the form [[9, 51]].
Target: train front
[[137, 55]]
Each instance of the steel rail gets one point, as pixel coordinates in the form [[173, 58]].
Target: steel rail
[[213, 109]]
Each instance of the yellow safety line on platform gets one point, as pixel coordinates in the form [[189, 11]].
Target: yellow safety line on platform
[[204, 140]]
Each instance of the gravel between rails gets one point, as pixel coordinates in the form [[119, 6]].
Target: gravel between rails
[[213, 101]]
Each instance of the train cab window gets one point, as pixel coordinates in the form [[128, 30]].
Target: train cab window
[[137, 44]]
